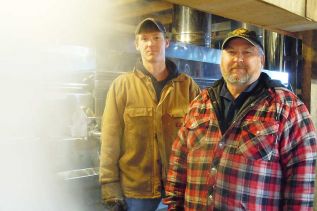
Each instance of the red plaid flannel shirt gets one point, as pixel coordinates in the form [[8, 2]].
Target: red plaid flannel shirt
[[259, 163]]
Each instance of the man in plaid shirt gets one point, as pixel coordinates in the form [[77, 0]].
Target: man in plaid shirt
[[247, 143]]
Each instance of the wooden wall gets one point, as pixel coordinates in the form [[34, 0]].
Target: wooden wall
[[310, 66]]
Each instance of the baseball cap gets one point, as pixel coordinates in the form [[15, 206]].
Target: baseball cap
[[149, 23], [243, 33]]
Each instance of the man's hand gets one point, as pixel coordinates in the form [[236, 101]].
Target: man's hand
[[116, 205]]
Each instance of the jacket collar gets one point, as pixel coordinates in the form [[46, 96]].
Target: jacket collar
[[259, 91], [141, 72]]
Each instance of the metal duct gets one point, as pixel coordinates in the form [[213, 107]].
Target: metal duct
[[274, 51], [191, 26], [283, 53]]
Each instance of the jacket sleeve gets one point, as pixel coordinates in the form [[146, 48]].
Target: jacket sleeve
[[298, 157], [111, 135], [176, 179]]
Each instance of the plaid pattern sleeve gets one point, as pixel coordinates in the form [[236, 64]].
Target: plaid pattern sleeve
[[177, 175], [176, 179], [298, 156], [194, 127]]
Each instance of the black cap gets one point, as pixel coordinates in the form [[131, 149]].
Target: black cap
[[243, 33], [149, 23]]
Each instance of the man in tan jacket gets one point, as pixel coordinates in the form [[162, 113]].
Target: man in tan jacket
[[143, 112]]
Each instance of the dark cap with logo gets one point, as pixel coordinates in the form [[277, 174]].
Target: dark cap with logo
[[149, 24], [243, 33]]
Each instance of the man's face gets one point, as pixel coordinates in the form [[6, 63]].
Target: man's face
[[241, 62], [151, 46]]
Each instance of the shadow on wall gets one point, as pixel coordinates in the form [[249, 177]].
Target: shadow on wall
[[313, 112]]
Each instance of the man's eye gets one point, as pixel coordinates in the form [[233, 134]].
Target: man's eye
[[231, 52], [247, 52]]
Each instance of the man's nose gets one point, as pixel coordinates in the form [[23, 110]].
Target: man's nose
[[149, 42], [239, 57]]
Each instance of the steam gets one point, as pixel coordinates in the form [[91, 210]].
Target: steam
[[41, 42]]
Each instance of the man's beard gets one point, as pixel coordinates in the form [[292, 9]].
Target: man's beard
[[238, 78]]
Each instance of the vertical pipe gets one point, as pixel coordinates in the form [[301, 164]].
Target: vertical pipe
[[191, 26], [274, 54]]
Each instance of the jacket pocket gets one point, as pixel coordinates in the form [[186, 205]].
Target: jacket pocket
[[139, 112], [173, 119], [171, 122], [258, 140], [138, 128], [199, 130]]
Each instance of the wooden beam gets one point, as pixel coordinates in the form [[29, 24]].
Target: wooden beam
[[144, 9], [118, 3], [311, 9], [165, 19], [122, 27], [297, 7], [257, 12], [130, 27]]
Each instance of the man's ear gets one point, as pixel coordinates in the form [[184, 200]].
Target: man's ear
[[262, 61], [167, 42], [136, 43]]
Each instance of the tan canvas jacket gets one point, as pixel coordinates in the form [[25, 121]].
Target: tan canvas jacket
[[137, 133]]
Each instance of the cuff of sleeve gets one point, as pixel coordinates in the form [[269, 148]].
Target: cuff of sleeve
[[111, 192]]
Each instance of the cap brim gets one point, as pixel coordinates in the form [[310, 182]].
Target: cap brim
[[159, 26], [237, 36]]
